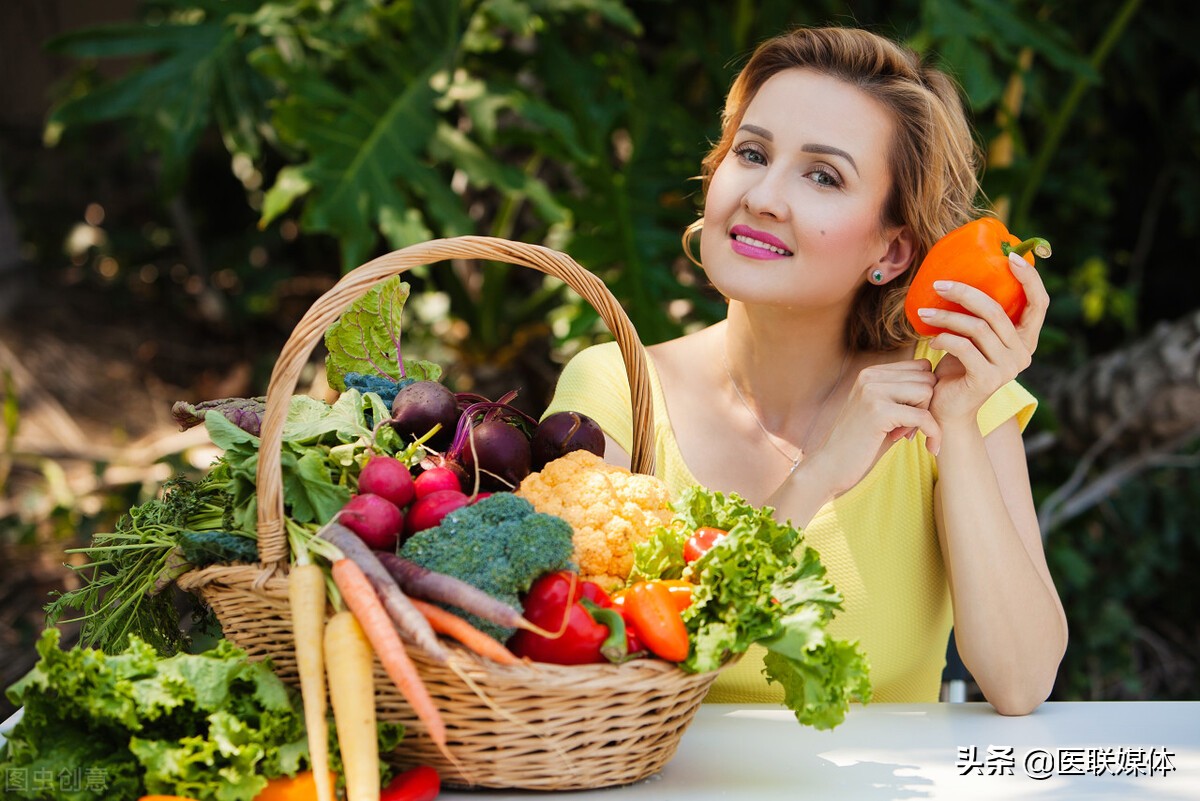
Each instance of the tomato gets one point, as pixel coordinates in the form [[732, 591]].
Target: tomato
[[699, 543], [421, 783]]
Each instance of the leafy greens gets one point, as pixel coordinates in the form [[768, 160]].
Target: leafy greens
[[760, 584], [205, 726], [366, 339]]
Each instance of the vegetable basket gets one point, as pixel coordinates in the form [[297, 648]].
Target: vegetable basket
[[530, 726]]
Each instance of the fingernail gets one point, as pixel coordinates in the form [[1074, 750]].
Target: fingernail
[[923, 312], [912, 434], [1017, 258], [942, 286]]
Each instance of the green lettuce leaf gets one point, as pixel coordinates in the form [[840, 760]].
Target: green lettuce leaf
[[211, 726], [763, 584], [366, 339]]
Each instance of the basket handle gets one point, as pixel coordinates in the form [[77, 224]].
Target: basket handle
[[272, 540]]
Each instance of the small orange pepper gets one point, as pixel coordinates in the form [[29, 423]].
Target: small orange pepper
[[681, 593], [975, 254], [301, 787], [656, 620]]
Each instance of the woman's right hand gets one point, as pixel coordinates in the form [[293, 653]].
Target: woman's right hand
[[886, 401]]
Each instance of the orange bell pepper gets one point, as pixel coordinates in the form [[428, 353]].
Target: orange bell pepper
[[975, 254]]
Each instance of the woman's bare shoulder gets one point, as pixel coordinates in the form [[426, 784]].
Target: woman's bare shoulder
[[679, 358]]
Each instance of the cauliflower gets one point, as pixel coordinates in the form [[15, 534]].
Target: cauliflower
[[609, 508]]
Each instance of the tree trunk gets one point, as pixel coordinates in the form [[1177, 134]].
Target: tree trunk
[[1124, 413], [1142, 397]]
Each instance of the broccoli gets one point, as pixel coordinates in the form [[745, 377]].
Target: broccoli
[[499, 544]]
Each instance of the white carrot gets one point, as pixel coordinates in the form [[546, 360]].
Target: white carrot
[[352, 690], [306, 594]]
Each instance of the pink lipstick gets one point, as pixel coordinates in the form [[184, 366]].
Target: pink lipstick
[[754, 244]]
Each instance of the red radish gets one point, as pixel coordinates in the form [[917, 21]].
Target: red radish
[[388, 478], [436, 479], [479, 496], [428, 512], [376, 520]]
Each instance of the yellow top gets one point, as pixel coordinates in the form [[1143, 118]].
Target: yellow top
[[877, 541]]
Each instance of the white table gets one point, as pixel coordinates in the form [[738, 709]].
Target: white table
[[921, 751]]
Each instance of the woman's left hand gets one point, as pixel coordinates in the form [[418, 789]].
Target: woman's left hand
[[984, 350]]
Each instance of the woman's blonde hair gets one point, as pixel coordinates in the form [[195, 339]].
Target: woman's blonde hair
[[934, 159]]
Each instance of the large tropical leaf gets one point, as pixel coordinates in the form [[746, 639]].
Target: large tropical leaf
[[195, 73]]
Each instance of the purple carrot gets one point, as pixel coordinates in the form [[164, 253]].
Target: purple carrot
[[407, 617]]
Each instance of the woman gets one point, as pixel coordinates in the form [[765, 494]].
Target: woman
[[842, 159]]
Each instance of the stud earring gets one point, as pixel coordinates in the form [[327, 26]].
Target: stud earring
[[877, 277]]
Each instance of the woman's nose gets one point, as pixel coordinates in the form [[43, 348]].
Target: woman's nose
[[766, 197]]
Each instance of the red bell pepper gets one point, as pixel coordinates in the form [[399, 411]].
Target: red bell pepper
[[421, 783], [551, 598]]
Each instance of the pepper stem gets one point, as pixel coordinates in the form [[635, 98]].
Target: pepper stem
[[1039, 246]]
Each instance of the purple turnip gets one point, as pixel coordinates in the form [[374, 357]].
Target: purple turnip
[[563, 432], [492, 435], [377, 521], [420, 406], [499, 452]]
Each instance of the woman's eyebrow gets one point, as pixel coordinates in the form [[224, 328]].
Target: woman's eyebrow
[[830, 150], [827, 150]]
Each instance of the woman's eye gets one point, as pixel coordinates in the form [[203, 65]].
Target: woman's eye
[[825, 177], [750, 154]]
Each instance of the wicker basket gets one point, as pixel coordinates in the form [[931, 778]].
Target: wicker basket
[[530, 726]]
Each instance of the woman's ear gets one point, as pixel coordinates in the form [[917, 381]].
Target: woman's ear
[[901, 247]]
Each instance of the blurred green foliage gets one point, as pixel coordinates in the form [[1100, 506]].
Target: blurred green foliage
[[354, 127]]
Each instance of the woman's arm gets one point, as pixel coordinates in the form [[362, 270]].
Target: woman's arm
[[1009, 624], [1008, 620]]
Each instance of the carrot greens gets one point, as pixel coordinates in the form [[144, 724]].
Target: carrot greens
[[125, 583]]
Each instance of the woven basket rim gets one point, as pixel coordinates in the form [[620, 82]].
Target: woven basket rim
[[310, 331]]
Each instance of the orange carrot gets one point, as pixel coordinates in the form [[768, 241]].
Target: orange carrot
[[480, 642], [394, 601], [360, 597]]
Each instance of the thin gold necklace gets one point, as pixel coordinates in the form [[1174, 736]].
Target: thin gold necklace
[[795, 460]]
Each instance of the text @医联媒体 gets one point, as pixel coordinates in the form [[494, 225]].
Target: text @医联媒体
[[1042, 763]]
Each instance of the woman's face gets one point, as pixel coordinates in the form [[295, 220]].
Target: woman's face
[[792, 216]]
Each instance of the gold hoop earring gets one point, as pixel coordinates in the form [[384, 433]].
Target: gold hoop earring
[[689, 232]]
